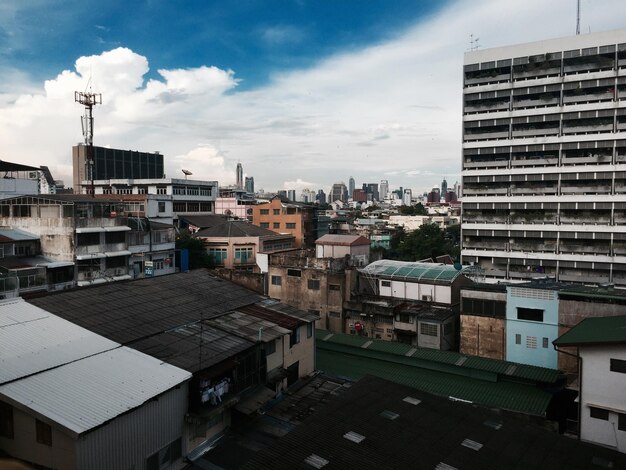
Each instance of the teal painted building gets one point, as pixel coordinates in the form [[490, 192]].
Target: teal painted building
[[532, 314]]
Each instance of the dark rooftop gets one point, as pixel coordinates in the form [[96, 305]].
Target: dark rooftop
[[238, 228], [203, 221], [601, 293], [376, 424], [131, 310]]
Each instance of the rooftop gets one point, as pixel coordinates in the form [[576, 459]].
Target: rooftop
[[249, 326], [238, 228], [130, 310], [203, 221], [489, 382], [33, 340], [16, 235], [413, 271], [595, 331], [86, 393], [376, 424], [342, 240]]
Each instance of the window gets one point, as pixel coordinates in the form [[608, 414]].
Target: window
[[276, 211], [429, 329], [531, 342], [43, 433], [161, 207], [309, 329], [334, 287], [617, 365], [404, 318], [385, 283], [218, 254], [276, 225], [598, 413], [265, 212], [6, 420], [270, 347], [530, 314], [290, 225], [294, 272], [265, 225], [157, 263], [545, 343], [276, 280], [313, 284], [294, 338], [165, 457], [161, 190], [621, 421], [243, 254], [518, 339]]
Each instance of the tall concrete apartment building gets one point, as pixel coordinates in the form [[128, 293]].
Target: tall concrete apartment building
[[544, 159]]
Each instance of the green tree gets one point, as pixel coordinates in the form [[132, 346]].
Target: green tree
[[417, 209], [426, 242], [198, 256]]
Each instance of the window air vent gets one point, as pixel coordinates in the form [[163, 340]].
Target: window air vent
[[493, 424], [471, 444], [389, 415], [411, 400]]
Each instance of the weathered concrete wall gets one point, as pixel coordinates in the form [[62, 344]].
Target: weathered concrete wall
[[56, 234], [252, 281], [483, 336]]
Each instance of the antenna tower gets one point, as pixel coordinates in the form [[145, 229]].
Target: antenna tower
[[88, 100], [473, 43], [577, 17]]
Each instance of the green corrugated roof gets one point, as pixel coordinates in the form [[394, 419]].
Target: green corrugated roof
[[505, 395], [595, 331], [465, 362]]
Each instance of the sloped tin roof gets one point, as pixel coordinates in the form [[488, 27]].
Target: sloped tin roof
[[413, 271], [601, 330]]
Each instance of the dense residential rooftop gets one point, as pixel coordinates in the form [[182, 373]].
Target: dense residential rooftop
[[377, 424], [489, 382], [412, 271]]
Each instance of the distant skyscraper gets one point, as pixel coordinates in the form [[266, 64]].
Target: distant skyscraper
[[372, 190], [444, 187], [291, 195], [407, 197], [339, 192], [384, 189], [250, 184], [351, 186], [320, 198], [239, 176]]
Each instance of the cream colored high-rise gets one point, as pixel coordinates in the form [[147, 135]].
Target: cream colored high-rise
[[544, 159]]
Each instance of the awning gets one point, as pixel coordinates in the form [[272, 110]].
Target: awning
[[405, 332], [255, 400], [89, 229], [122, 278], [111, 254], [57, 264], [117, 228], [90, 256]]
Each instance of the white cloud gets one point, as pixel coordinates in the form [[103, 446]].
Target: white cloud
[[299, 185], [391, 109]]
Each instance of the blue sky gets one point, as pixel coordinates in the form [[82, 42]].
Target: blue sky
[[303, 93]]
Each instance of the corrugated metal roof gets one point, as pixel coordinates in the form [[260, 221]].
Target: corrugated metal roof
[[87, 393], [14, 234], [602, 330], [495, 366], [32, 340], [248, 326]]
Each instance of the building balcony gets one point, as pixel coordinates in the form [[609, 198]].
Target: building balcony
[[485, 246], [534, 161], [490, 164], [535, 103], [539, 72], [535, 132], [592, 159], [587, 129], [584, 249], [97, 222], [484, 191], [595, 189], [534, 247], [486, 136], [486, 108], [538, 190]]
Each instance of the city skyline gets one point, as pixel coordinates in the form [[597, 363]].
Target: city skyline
[[303, 105]]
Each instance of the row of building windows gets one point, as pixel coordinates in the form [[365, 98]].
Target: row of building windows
[[602, 414], [43, 431], [531, 341], [276, 225]]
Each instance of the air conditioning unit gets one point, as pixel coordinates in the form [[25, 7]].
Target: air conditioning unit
[[427, 298]]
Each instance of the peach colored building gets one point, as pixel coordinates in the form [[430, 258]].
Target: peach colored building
[[286, 217]]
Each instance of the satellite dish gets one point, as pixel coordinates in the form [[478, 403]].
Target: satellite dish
[[187, 172]]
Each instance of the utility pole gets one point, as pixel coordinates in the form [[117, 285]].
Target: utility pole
[[88, 100], [577, 17]]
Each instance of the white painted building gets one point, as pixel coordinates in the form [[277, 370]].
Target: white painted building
[[72, 399], [544, 159], [601, 344]]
